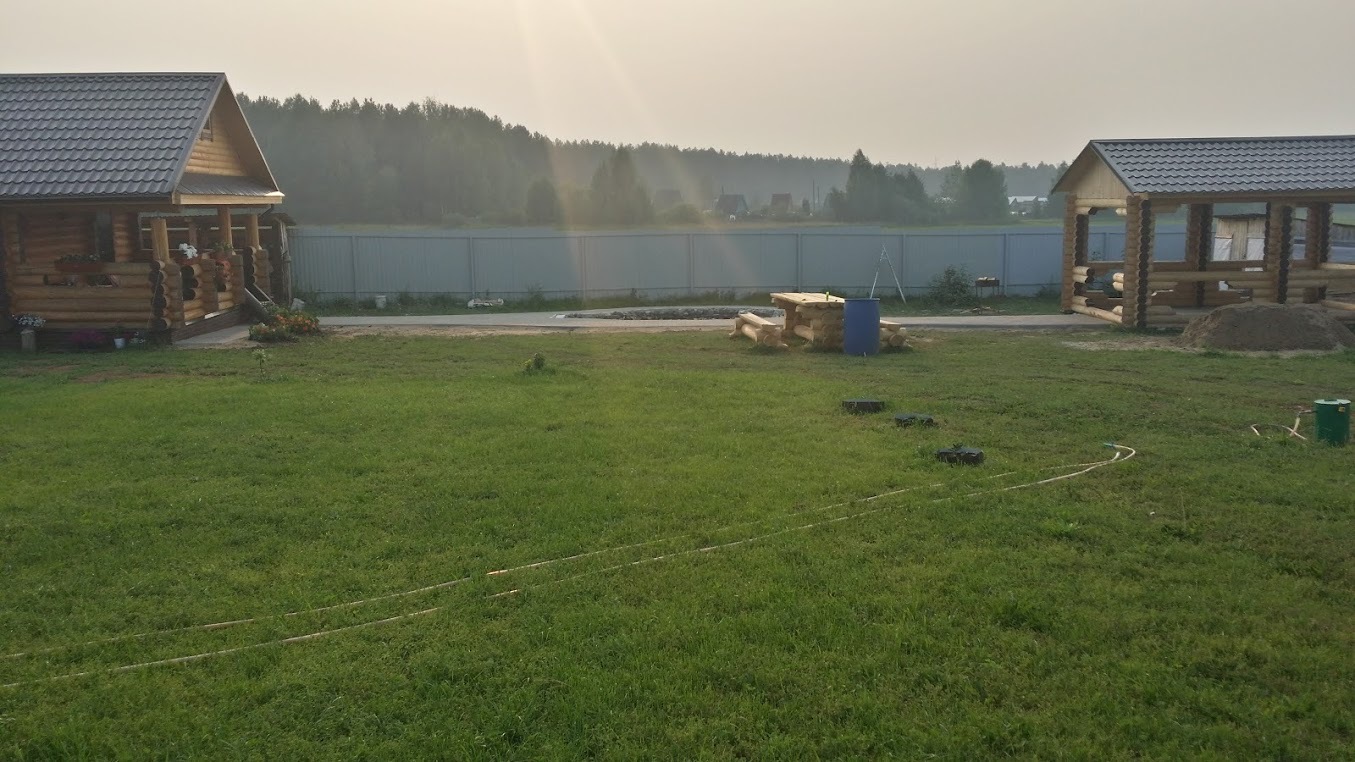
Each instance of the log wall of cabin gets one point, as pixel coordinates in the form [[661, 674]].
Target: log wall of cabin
[[214, 152], [35, 238]]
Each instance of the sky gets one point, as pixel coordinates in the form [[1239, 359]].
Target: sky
[[926, 82]]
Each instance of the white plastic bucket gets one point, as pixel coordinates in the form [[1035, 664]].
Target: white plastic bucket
[[381, 302]]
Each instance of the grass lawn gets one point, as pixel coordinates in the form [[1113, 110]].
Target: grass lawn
[[1197, 600]]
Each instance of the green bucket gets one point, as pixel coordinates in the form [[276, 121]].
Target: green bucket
[[1333, 421]]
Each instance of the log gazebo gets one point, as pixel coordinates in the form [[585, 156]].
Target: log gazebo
[[107, 179], [1142, 179]]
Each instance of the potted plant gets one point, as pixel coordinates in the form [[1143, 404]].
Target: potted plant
[[80, 263], [28, 325], [120, 335]]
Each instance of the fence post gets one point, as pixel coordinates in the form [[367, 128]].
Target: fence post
[[799, 261], [1006, 250], [691, 265], [353, 263], [470, 263], [903, 259], [583, 267]]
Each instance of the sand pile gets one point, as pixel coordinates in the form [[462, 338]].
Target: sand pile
[[1268, 328]]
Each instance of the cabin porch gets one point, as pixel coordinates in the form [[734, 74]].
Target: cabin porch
[[106, 269]]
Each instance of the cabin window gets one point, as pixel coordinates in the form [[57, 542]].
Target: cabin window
[[103, 235], [207, 133]]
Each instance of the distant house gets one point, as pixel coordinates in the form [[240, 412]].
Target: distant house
[[731, 205], [1025, 204], [107, 180], [781, 203]]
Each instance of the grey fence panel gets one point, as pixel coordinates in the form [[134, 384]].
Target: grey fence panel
[[323, 265], [515, 267], [743, 262], [412, 265], [927, 256], [331, 263], [1170, 246], [1029, 266], [846, 263], [645, 263]]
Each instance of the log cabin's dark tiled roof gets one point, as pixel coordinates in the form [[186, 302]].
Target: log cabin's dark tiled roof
[[1210, 166], [99, 136]]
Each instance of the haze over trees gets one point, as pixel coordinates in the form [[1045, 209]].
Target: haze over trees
[[433, 163]]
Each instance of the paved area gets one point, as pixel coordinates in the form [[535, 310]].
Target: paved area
[[559, 321], [548, 321]]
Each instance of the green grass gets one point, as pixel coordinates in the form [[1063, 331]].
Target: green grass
[[1196, 601]]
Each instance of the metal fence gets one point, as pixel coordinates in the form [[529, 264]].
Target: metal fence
[[512, 264]]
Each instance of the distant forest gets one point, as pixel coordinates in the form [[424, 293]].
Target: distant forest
[[432, 163]]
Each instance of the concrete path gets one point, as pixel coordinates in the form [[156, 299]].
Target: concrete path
[[558, 321]]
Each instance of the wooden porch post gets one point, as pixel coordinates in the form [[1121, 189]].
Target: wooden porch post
[[223, 222], [1074, 251], [1138, 260], [252, 230], [1200, 243], [1317, 245], [1279, 247], [256, 253], [159, 239]]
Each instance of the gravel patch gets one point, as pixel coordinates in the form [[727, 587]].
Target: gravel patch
[[678, 313]]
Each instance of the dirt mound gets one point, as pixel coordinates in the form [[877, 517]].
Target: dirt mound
[[1268, 328]]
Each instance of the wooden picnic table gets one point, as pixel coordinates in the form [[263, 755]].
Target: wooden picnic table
[[816, 318]]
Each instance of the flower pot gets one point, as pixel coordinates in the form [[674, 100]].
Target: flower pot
[[119, 343], [28, 340]]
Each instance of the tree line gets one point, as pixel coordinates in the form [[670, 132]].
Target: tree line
[[433, 163]]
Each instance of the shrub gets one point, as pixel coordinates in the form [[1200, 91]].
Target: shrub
[[270, 333], [954, 287], [285, 325]]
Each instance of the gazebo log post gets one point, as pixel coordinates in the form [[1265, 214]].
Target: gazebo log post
[[1075, 235], [1138, 260], [1317, 245], [1279, 247], [1200, 243], [223, 223]]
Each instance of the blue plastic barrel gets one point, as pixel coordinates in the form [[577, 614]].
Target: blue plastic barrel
[[861, 327]]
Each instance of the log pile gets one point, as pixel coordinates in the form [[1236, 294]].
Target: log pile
[[893, 335], [816, 318], [167, 295], [262, 268], [761, 330], [814, 325], [198, 276]]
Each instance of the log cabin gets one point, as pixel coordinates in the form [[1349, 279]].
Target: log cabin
[[106, 180], [1142, 179]]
